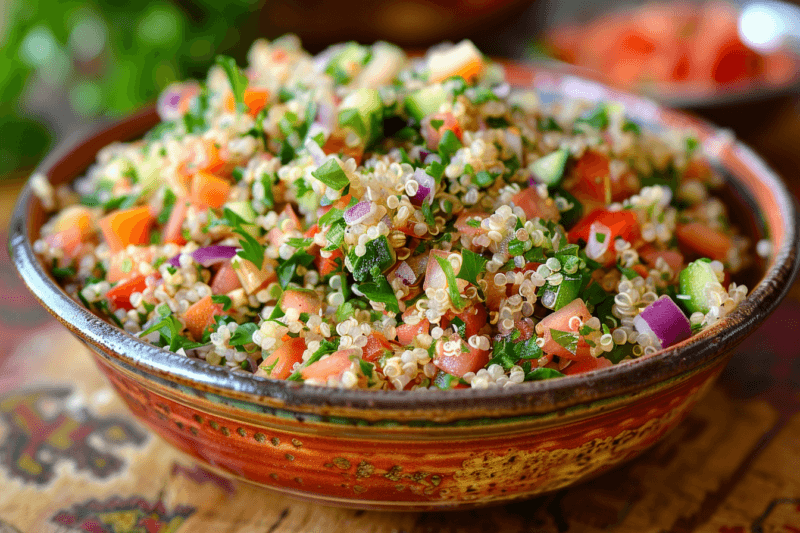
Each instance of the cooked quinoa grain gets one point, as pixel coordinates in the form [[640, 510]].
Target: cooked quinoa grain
[[360, 219]]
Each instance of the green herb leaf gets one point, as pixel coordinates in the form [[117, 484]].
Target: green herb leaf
[[351, 118], [169, 204], [236, 78], [567, 339], [452, 286], [472, 264], [222, 299], [243, 334], [286, 270], [332, 175], [251, 250], [543, 373], [380, 291], [449, 145]]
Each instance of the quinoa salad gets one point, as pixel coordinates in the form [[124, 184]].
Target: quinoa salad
[[365, 219]]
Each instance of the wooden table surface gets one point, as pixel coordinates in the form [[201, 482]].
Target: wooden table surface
[[73, 459]]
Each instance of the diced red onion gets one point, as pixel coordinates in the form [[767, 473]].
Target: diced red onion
[[208, 256], [423, 154], [169, 101], [665, 321], [357, 213], [426, 189], [317, 155], [594, 248], [326, 115], [430, 158], [514, 141], [502, 90], [406, 274]]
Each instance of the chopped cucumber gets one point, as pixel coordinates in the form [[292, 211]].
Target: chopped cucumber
[[341, 66], [550, 168], [244, 209], [425, 102], [695, 280], [368, 104], [571, 216], [379, 253]]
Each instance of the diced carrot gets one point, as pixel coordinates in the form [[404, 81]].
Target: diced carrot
[[278, 365], [433, 135], [173, 231], [376, 346], [209, 191], [704, 241], [225, 280], [200, 315], [331, 366], [124, 265], [468, 360], [119, 296], [535, 206], [304, 300], [561, 321], [127, 226]]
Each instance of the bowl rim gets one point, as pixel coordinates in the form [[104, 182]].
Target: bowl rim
[[626, 378]]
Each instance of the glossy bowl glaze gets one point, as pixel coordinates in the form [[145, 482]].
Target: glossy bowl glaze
[[429, 449]]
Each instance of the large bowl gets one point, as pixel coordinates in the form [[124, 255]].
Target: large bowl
[[430, 449]]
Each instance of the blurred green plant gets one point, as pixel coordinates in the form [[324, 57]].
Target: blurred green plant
[[102, 58]]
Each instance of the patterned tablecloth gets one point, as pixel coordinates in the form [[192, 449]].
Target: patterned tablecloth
[[73, 459]]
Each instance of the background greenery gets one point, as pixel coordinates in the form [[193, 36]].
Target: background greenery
[[67, 62]]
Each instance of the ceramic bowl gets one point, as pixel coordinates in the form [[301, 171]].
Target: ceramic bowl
[[430, 449]]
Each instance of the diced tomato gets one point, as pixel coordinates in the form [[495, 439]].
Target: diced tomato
[[209, 191], [586, 364], [703, 241], [119, 295], [329, 265], [622, 224], [535, 206], [205, 156], [278, 365], [225, 280], [433, 134], [200, 315], [173, 231], [127, 226], [468, 360], [673, 258], [474, 318], [253, 279], [255, 99], [124, 265], [594, 179], [561, 321], [287, 221], [69, 240], [406, 333], [376, 346], [335, 144], [331, 366], [464, 228], [304, 300]]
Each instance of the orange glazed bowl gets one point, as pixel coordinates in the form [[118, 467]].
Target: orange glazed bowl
[[428, 449]]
